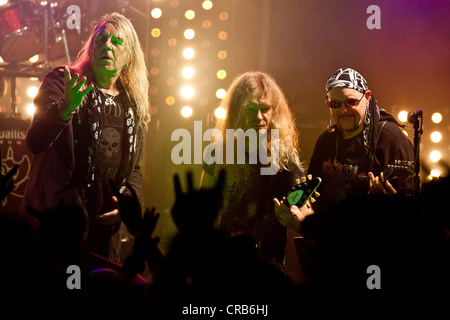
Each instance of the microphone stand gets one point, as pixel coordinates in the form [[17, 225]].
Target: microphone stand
[[417, 120]]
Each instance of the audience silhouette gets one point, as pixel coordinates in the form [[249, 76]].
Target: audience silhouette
[[406, 238]]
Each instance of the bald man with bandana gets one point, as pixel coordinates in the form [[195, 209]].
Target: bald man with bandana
[[350, 154]]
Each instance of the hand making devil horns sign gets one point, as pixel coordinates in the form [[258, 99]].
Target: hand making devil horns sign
[[73, 95]]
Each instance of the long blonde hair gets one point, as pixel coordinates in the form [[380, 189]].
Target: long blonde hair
[[134, 76], [259, 84]]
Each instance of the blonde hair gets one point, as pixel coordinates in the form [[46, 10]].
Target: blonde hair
[[262, 86], [134, 76]]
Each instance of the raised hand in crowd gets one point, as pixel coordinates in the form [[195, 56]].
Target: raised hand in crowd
[[142, 228], [196, 210]]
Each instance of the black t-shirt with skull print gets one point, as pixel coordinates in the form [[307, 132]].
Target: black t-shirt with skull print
[[109, 149]]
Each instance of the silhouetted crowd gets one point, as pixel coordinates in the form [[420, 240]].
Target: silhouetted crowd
[[406, 238]]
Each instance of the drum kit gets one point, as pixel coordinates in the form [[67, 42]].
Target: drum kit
[[32, 27]]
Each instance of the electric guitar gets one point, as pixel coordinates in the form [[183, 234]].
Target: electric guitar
[[298, 195]]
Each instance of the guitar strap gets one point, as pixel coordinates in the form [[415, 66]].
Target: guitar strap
[[380, 127]]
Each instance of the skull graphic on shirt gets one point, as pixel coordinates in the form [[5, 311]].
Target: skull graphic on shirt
[[110, 143]]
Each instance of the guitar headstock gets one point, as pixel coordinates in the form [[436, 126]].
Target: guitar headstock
[[394, 171], [303, 190]]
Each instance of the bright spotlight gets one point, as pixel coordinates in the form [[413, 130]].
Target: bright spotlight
[[221, 93], [188, 72], [34, 58], [435, 156], [403, 116], [220, 113], [221, 74], [187, 92], [188, 53], [186, 111], [31, 109], [189, 34], [436, 136], [435, 173], [207, 5], [32, 92], [436, 117], [189, 14], [156, 13]]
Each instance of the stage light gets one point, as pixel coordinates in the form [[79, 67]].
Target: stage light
[[220, 113], [207, 24], [435, 173], [170, 81], [436, 117], [188, 72], [1, 60], [223, 16], [221, 93], [207, 5], [172, 42], [222, 54], [34, 58], [223, 35], [435, 156], [156, 32], [173, 3], [156, 13], [155, 52], [173, 23], [31, 109], [3, 2], [32, 91], [436, 136], [186, 111], [170, 101], [187, 92], [188, 53], [189, 34], [189, 14], [403, 116], [221, 74]]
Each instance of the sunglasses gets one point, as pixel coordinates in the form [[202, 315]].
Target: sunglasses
[[336, 104]]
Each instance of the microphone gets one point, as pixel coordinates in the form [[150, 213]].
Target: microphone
[[414, 115]]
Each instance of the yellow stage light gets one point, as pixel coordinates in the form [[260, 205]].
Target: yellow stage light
[[156, 13], [32, 92], [403, 116], [221, 74], [156, 32], [436, 117], [436, 136], [221, 93], [189, 34], [31, 109], [188, 72], [435, 156], [220, 113], [207, 5], [186, 111], [189, 14], [188, 53], [187, 92]]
